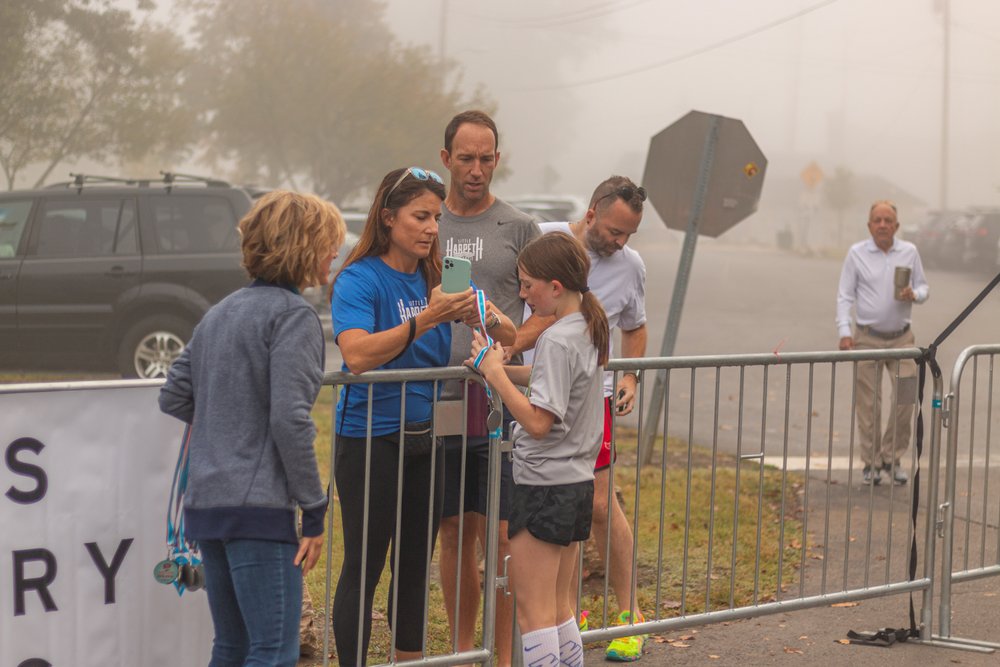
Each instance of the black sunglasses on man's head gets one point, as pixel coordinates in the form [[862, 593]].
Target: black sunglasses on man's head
[[627, 193]]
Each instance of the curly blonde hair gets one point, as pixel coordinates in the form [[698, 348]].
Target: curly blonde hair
[[287, 235]]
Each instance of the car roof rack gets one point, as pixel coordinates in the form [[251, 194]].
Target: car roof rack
[[169, 178], [79, 180]]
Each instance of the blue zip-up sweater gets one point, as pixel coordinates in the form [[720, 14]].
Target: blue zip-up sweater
[[246, 383]]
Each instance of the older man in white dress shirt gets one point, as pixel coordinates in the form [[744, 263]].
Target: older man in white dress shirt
[[882, 321]]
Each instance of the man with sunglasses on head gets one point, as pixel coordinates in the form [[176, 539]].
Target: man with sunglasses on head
[[490, 233], [618, 279]]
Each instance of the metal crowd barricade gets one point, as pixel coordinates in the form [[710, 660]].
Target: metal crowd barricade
[[791, 417], [976, 552], [447, 422], [728, 404]]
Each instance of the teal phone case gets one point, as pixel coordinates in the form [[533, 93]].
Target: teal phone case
[[456, 274]]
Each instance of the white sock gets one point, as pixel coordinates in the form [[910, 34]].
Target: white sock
[[541, 648], [570, 644]]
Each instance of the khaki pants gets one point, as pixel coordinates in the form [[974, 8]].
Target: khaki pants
[[877, 448]]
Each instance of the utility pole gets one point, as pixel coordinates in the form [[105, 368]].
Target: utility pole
[[442, 54], [945, 6]]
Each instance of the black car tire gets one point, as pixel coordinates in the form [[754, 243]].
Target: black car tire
[[150, 345]]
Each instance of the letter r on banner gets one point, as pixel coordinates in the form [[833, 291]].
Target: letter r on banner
[[39, 584]]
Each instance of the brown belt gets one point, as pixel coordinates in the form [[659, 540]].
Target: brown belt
[[884, 335]]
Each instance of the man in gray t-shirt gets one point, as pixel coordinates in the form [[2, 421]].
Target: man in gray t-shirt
[[489, 233]]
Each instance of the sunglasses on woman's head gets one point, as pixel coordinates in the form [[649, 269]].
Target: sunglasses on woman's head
[[420, 175]]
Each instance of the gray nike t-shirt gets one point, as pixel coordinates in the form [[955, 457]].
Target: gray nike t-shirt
[[492, 241]]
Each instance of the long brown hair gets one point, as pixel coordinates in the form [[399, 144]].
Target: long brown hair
[[375, 238], [561, 257]]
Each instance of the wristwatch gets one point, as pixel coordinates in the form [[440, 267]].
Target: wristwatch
[[493, 322]]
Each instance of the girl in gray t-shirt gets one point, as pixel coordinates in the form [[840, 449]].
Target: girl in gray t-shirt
[[556, 439]]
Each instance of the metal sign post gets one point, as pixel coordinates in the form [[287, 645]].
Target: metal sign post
[[723, 190]]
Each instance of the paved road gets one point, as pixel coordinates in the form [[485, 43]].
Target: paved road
[[743, 299], [758, 300]]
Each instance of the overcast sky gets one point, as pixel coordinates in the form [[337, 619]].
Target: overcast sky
[[581, 86]]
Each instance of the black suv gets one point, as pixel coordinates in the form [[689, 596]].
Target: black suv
[[112, 273]]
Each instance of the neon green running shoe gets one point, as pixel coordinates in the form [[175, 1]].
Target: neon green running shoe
[[584, 625], [626, 649]]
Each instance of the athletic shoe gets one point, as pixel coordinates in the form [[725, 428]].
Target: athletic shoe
[[626, 649], [584, 625], [872, 475], [896, 473]]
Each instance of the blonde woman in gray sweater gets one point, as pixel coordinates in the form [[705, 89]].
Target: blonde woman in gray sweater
[[246, 384]]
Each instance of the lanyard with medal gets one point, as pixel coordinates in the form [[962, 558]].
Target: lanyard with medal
[[182, 567], [494, 422]]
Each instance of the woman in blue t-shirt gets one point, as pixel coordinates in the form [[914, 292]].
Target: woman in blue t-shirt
[[389, 312]]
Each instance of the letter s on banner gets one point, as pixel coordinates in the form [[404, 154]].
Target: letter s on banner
[[31, 470]]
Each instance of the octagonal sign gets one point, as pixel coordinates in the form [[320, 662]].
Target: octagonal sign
[[709, 159]]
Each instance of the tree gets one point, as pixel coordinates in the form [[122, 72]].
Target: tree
[[317, 94], [85, 79]]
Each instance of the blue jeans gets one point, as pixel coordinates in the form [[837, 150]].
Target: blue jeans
[[255, 596]]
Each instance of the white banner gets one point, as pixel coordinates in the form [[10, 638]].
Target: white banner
[[84, 488]]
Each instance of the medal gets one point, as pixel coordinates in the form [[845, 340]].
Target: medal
[[197, 578], [493, 421], [165, 572], [186, 576]]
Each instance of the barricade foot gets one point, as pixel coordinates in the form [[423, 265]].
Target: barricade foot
[[960, 644]]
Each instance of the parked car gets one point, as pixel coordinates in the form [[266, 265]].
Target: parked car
[[981, 239], [941, 239], [355, 219], [319, 297], [550, 208], [105, 273]]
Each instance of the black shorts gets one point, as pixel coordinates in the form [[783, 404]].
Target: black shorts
[[558, 514], [477, 468]]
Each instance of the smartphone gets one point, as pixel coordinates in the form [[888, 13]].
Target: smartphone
[[456, 275]]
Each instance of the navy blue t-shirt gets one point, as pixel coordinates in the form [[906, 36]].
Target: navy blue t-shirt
[[371, 296]]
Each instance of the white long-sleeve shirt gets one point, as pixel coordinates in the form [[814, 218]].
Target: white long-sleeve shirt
[[866, 282]]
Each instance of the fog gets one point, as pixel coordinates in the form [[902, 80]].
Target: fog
[[852, 84]]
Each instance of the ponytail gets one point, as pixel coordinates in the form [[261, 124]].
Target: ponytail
[[597, 325]]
